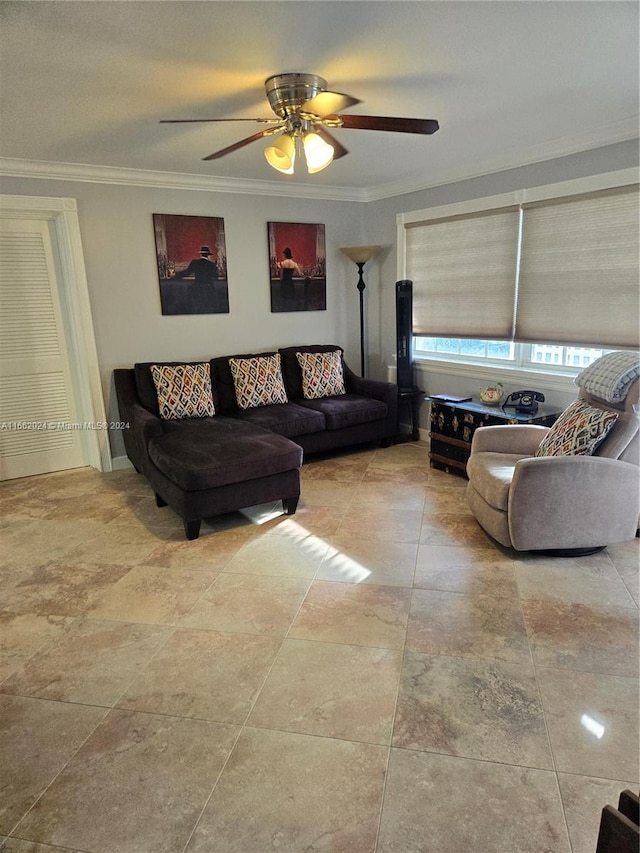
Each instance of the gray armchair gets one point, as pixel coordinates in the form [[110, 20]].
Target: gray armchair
[[568, 504]]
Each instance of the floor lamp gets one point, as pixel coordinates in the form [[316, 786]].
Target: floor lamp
[[360, 255]]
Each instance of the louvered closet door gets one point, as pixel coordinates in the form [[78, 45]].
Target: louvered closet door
[[36, 395]]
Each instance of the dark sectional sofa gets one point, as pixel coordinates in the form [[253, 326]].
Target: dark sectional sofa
[[206, 466]]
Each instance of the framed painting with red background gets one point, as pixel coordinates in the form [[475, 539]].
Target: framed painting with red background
[[297, 264], [192, 264]]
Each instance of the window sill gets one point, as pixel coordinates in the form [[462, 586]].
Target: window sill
[[525, 377]]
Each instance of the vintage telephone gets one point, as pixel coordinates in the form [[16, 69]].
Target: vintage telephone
[[526, 402]]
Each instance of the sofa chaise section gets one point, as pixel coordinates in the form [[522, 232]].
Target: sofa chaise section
[[215, 465], [202, 467]]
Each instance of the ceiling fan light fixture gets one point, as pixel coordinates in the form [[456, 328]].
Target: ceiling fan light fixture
[[305, 109], [318, 153], [282, 154]]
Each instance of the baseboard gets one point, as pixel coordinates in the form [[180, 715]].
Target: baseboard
[[121, 463]]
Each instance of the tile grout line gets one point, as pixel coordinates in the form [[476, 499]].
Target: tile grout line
[[537, 671]]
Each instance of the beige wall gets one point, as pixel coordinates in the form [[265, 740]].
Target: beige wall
[[119, 249]]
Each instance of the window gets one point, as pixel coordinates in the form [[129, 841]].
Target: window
[[557, 263], [578, 357], [467, 349], [565, 359]]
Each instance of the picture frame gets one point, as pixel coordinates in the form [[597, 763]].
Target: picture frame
[[191, 256], [297, 266]]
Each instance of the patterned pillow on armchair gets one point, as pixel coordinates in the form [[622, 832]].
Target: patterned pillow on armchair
[[578, 431]]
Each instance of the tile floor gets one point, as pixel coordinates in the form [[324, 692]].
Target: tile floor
[[371, 674]]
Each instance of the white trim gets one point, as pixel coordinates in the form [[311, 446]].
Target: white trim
[[12, 167], [401, 248], [62, 213], [592, 183], [510, 374], [458, 208], [121, 463], [624, 131], [611, 134]]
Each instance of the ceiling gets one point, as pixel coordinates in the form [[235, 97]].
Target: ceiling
[[510, 83]]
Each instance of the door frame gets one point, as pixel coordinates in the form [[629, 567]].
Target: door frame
[[64, 227]]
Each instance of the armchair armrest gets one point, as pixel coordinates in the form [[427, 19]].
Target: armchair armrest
[[573, 501], [508, 438]]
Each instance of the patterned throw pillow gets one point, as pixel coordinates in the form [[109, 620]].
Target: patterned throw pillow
[[258, 381], [322, 374], [577, 432], [184, 390]]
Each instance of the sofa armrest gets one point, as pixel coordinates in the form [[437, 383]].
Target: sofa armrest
[[508, 438], [146, 425], [386, 392], [143, 424], [573, 501], [368, 387]]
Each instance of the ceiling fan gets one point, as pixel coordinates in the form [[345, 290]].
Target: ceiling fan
[[305, 108]]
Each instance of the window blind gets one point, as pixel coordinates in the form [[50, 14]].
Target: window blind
[[579, 270], [464, 274]]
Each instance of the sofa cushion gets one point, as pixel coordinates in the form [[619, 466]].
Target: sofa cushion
[[284, 418], [184, 390], [258, 381], [346, 410], [578, 431], [210, 452], [291, 370], [322, 374]]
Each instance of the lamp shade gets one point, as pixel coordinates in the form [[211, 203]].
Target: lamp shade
[[360, 254], [317, 152], [282, 154]]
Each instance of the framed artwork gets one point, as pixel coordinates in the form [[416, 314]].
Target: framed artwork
[[297, 264], [192, 264]]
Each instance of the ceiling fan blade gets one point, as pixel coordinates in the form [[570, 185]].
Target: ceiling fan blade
[[338, 149], [395, 125], [236, 145], [328, 102], [191, 120]]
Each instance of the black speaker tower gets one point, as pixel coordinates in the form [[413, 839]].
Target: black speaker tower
[[404, 324]]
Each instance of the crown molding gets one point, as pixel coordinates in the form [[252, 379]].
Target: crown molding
[[603, 135], [14, 167]]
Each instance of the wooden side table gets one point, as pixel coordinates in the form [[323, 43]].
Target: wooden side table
[[410, 398], [453, 426]]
